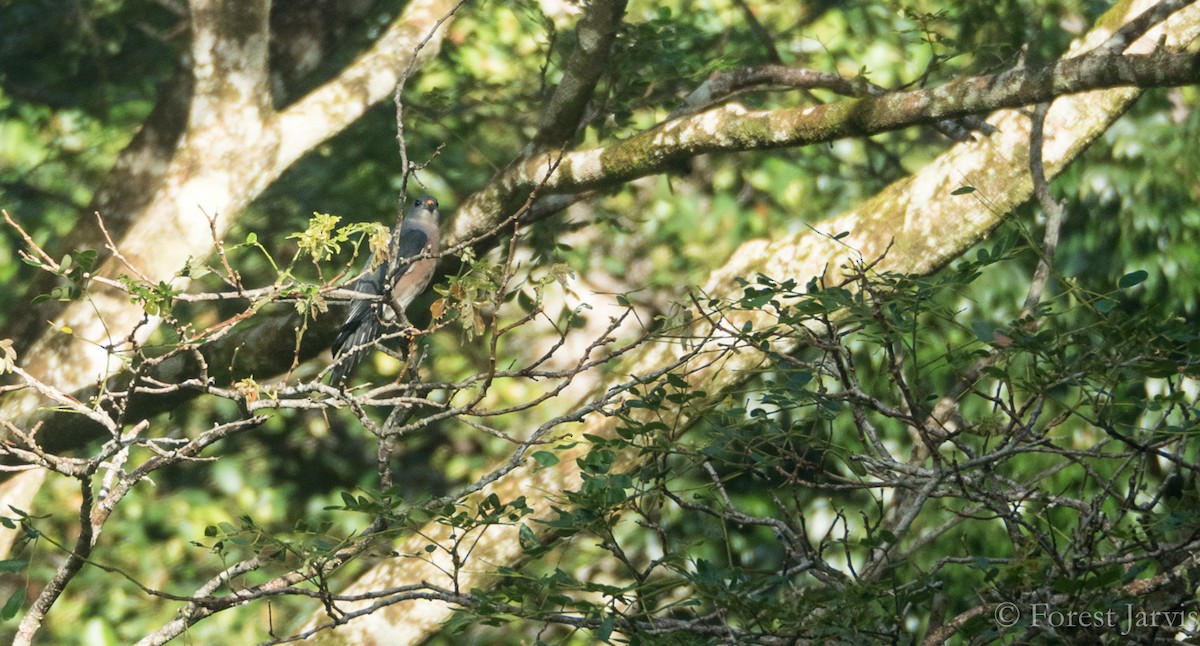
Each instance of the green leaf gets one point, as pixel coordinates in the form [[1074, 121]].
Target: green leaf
[[605, 631], [13, 605], [86, 258], [1131, 279], [526, 301], [963, 190], [855, 466], [529, 540], [545, 458], [12, 565], [984, 331]]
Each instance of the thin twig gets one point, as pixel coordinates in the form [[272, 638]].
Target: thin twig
[[1055, 213]]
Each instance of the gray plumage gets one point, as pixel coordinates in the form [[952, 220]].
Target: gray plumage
[[401, 278]]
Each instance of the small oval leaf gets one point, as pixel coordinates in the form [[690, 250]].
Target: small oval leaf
[[1131, 279]]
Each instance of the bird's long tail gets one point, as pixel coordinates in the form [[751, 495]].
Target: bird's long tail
[[353, 342]]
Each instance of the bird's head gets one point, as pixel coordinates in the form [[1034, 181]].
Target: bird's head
[[424, 207]]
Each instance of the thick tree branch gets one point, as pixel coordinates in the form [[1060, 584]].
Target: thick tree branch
[[368, 80], [732, 127], [229, 61], [1136, 28], [724, 86], [594, 36]]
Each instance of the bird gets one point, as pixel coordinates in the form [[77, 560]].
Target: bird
[[412, 258]]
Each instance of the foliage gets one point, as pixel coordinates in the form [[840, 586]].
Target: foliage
[[828, 497], [775, 514]]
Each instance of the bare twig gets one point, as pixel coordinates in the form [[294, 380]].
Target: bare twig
[[1054, 211]]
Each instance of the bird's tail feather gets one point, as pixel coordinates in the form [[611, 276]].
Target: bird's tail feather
[[353, 342]]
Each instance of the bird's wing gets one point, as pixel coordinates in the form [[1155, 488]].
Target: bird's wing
[[361, 321], [411, 243]]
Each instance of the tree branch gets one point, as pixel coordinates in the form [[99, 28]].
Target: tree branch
[[594, 36], [731, 128], [368, 80]]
